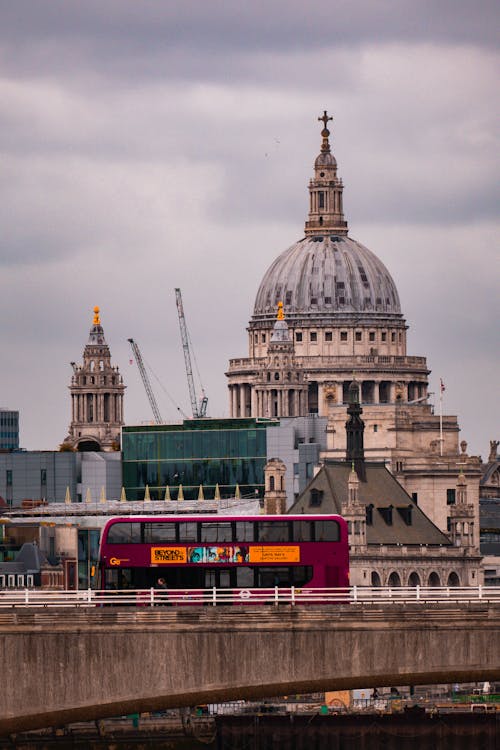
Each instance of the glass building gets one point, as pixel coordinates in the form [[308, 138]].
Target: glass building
[[9, 430], [207, 452]]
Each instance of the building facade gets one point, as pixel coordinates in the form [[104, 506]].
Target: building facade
[[97, 391], [328, 307], [9, 430]]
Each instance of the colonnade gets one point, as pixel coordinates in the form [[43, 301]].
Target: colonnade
[[275, 400], [96, 408]]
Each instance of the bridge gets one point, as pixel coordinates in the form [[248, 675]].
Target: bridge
[[75, 663]]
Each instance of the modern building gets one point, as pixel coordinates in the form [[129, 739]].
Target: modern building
[[49, 476], [224, 456], [9, 430], [96, 397], [328, 307], [220, 455]]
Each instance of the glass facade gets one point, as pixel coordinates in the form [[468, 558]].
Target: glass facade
[[9, 430], [227, 452]]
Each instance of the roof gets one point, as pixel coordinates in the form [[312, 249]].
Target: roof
[[381, 491], [332, 275]]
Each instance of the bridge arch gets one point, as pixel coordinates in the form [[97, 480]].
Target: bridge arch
[[375, 579], [394, 580], [434, 579], [414, 579], [453, 579]]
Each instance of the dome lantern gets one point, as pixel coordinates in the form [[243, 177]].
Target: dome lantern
[[325, 190]]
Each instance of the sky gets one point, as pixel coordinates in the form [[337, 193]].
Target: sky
[[153, 144]]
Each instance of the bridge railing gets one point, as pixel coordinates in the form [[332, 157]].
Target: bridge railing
[[356, 595]]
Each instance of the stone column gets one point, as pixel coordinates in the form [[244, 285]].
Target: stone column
[[376, 392]]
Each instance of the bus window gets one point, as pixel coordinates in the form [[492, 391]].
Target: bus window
[[244, 531], [273, 531], [301, 574], [188, 532], [244, 577], [159, 532], [216, 532], [302, 531], [124, 533], [326, 531], [269, 577]]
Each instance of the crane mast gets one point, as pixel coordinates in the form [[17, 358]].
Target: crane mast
[[202, 409], [145, 380]]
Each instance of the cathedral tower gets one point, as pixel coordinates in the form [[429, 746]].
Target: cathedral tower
[[96, 397]]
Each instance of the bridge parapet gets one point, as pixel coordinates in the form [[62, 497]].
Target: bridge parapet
[[100, 662]]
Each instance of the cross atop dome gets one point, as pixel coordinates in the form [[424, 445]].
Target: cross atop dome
[[325, 146]]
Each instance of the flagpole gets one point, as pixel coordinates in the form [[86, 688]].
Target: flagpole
[[441, 389]]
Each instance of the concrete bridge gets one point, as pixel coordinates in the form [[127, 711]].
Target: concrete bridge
[[64, 665]]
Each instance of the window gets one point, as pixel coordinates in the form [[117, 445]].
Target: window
[[375, 428], [328, 300], [263, 338], [244, 531], [321, 196], [358, 335], [414, 497], [383, 335], [343, 335], [328, 336], [273, 531], [216, 532], [326, 531], [302, 531], [313, 336], [187, 532], [298, 336], [315, 498], [451, 497], [393, 336], [124, 533], [371, 336]]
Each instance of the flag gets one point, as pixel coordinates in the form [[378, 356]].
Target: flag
[[442, 385]]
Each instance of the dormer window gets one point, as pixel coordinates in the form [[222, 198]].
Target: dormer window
[[386, 514]]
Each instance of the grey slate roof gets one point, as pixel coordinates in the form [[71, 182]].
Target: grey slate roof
[[380, 490]]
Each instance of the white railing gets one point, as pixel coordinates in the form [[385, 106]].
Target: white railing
[[356, 595]]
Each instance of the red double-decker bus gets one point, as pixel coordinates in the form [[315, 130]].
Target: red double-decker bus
[[224, 552]]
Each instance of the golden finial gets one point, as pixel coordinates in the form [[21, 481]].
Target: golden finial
[[281, 314], [97, 319], [325, 146]]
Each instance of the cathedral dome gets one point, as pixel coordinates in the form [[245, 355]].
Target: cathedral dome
[[329, 277]]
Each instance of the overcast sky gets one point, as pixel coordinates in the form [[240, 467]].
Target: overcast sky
[[148, 145]]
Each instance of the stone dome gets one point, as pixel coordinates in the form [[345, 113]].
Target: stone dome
[[331, 278]]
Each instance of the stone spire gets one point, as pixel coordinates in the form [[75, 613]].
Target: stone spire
[[326, 214], [96, 396], [355, 428]]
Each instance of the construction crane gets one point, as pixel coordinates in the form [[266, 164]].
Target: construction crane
[[145, 380], [201, 410]]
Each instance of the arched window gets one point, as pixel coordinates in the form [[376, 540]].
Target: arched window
[[453, 579], [434, 580], [394, 580], [375, 579], [271, 483], [414, 579]]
